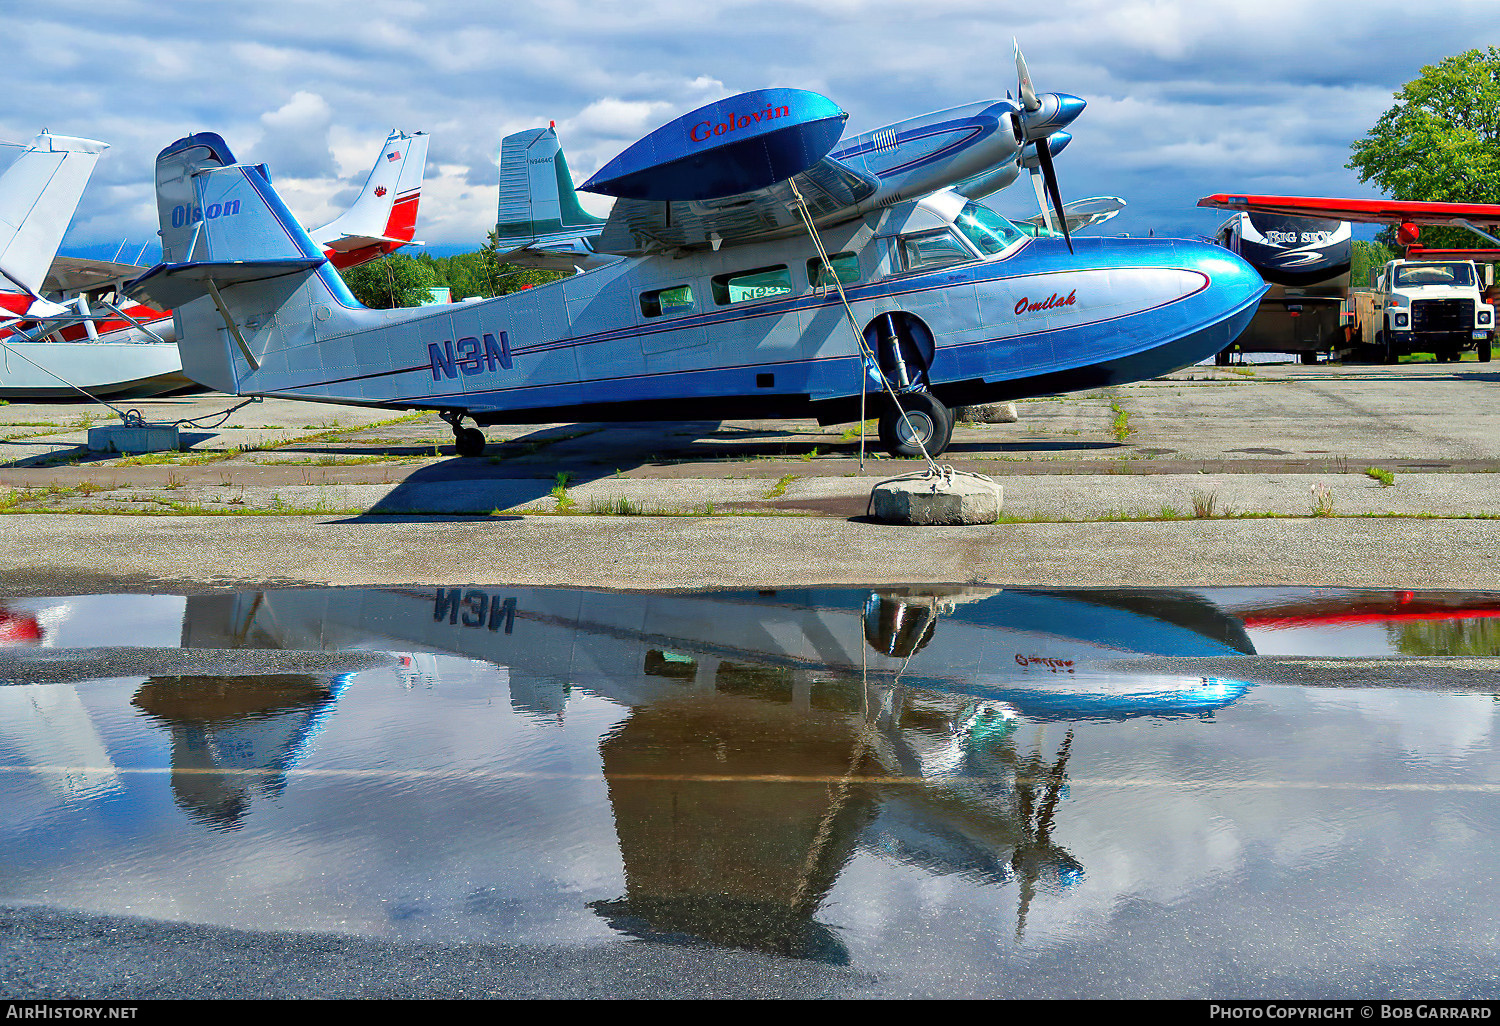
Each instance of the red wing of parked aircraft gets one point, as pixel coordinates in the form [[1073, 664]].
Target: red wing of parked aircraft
[[1376, 211]]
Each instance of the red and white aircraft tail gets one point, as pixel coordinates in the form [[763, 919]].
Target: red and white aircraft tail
[[384, 217], [39, 194]]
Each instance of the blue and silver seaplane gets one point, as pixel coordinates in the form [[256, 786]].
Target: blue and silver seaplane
[[752, 266]]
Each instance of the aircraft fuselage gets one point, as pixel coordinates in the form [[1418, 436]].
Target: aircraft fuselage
[[749, 331]]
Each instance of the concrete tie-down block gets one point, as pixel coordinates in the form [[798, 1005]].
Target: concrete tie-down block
[[134, 437], [937, 497]]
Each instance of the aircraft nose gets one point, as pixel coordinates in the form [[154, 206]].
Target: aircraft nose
[[1056, 112], [1232, 283]]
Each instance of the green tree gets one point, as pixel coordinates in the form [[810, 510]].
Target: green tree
[[498, 278], [1439, 141], [391, 282], [1365, 258]]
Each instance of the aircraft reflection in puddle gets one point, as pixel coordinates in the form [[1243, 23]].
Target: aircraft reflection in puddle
[[770, 736], [234, 736]]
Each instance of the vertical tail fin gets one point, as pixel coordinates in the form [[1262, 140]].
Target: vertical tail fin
[[39, 194], [245, 282], [538, 205], [384, 217]]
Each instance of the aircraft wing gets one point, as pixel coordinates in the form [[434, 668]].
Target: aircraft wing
[[828, 187], [1084, 213], [729, 171], [1376, 211], [74, 274]]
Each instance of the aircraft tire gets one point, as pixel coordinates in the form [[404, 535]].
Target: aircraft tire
[[469, 442], [928, 418]]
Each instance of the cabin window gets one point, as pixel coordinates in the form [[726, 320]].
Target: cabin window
[[760, 283], [675, 300], [927, 250], [845, 265]]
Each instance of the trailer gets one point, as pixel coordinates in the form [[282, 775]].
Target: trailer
[[1306, 262]]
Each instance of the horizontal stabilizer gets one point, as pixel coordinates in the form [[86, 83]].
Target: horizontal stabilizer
[[350, 243], [166, 286], [73, 274]]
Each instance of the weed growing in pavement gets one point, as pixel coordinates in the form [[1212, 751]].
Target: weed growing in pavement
[[565, 503], [1322, 500], [1385, 477], [779, 489]]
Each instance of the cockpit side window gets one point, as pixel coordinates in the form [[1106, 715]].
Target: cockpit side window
[[926, 250], [988, 231]]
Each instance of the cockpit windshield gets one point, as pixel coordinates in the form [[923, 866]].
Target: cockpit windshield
[[986, 229], [1435, 274]]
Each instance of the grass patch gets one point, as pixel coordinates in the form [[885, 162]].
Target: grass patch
[[565, 503], [1322, 500], [851, 434], [1385, 477], [779, 489], [340, 461], [1121, 426]]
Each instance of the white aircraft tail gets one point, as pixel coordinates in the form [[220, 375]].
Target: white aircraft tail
[[39, 194], [249, 288], [384, 216], [538, 205]]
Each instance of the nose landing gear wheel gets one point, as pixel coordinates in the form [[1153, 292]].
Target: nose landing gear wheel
[[470, 442], [926, 421]]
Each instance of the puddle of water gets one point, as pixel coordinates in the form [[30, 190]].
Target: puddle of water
[[932, 784]]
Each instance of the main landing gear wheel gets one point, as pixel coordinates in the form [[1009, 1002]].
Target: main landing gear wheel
[[470, 442], [926, 421], [466, 441]]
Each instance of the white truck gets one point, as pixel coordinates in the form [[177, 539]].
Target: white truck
[[1423, 306]]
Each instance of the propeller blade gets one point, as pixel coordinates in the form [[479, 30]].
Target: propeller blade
[[1049, 173], [1041, 201], [1028, 93]]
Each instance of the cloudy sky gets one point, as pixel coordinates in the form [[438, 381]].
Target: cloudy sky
[[1186, 97]]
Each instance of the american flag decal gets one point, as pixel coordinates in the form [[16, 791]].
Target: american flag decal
[[393, 155]]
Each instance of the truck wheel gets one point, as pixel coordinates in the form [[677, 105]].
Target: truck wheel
[[1309, 357], [926, 419], [1484, 351]]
